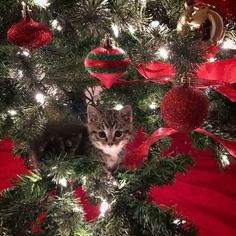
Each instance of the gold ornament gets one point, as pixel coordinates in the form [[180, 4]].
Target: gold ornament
[[205, 20]]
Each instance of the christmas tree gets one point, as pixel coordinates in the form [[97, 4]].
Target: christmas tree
[[172, 61]]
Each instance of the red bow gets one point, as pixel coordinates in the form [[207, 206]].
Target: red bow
[[219, 75]]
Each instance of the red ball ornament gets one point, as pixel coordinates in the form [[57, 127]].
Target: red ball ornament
[[29, 33], [184, 108], [107, 63]]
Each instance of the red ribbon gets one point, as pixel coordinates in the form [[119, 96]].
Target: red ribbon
[[228, 145], [219, 75], [137, 151]]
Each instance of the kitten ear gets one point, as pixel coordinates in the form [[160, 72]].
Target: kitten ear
[[126, 113], [93, 114]]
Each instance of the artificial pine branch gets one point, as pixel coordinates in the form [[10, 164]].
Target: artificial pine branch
[[158, 172], [64, 216], [21, 205]]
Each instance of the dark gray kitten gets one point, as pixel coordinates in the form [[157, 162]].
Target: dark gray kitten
[[107, 132]]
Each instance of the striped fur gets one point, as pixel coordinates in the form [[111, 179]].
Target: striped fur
[[116, 127]]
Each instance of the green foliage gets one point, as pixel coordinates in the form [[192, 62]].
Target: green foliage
[[155, 171], [64, 215], [174, 8], [21, 205], [57, 71], [158, 222]]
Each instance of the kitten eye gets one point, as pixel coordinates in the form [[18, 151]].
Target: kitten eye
[[118, 133], [101, 134]]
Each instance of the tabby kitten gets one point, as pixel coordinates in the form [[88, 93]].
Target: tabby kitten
[[106, 132]]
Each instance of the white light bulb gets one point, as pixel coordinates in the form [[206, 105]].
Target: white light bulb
[[40, 98], [12, 112], [212, 59], [103, 208], [115, 30], [225, 160], [26, 53], [155, 23], [16, 73], [164, 53], [118, 107], [178, 221], [63, 182], [55, 25], [42, 3], [228, 44], [131, 29], [153, 106]]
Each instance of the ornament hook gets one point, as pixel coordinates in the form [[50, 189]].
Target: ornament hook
[[107, 41], [25, 10], [185, 80]]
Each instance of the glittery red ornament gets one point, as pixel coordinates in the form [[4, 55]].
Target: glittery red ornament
[[107, 64], [184, 108], [29, 33]]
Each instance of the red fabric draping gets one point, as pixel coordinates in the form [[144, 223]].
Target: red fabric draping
[[221, 70], [205, 195], [10, 166]]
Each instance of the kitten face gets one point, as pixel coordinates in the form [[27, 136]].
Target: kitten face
[[110, 130]]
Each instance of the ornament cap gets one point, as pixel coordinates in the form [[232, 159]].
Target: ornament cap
[[185, 80], [26, 12], [107, 41]]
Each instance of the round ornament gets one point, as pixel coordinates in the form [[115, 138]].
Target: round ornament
[[184, 108], [207, 22], [107, 63], [29, 33]]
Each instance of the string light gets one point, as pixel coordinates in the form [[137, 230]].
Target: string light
[[179, 221], [25, 53], [40, 98], [153, 106], [118, 107], [228, 44], [225, 160], [115, 30], [131, 29], [56, 25], [42, 3], [12, 112], [212, 59], [103, 208], [155, 23], [16, 73], [63, 182], [164, 53]]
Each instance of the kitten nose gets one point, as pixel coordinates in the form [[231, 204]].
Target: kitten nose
[[110, 144]]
